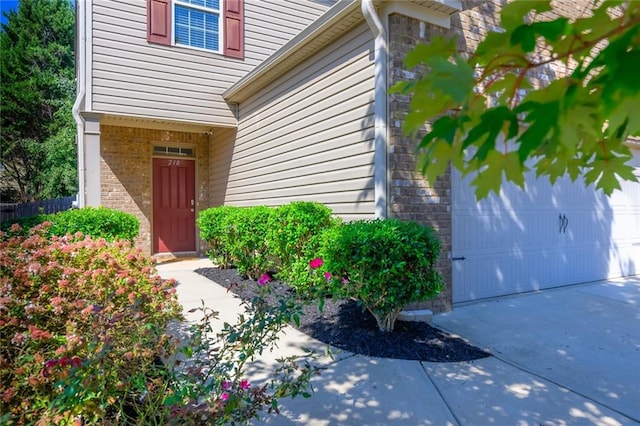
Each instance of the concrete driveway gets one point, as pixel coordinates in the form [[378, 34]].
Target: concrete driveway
[[584, 338]]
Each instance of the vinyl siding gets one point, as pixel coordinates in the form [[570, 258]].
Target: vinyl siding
[[133, 77], [220, 155], [309, 134]]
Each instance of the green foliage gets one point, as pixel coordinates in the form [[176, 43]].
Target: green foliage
[[217, 228], [248, 243], [83, 335], [100, 222], [292, 228], [308, 282], [110, 224], [258, 239], [385, 264], [37, 91], [486, 118], [59, 174]]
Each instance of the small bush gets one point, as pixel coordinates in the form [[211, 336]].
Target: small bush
[[308, 282], [248, 246], [385, 264], [292, 228], [217, 228], [100, 222]]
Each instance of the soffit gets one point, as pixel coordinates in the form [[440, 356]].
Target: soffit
[[448, 7], [155, 124]]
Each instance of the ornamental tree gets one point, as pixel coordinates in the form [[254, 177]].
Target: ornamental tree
[[485, 115]]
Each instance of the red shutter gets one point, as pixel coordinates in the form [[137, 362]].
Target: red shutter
[[233, 28], [159, 21]]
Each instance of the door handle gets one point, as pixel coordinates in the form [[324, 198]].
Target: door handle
[[564, 222]]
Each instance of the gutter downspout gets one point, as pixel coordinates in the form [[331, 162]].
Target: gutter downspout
[[80, 99], [380, 108]]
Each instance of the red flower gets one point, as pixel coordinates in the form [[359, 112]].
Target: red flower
[[264, 279], [316, 263], [244, 384]]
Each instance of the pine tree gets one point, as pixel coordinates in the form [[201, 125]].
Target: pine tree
[[36, 93]]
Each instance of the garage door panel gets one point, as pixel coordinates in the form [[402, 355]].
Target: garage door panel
[[525, 230], [541, 237]]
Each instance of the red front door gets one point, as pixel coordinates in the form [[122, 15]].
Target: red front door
[[174, 227]]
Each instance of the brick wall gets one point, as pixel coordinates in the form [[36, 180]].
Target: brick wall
[[126, 171], [411, 197]]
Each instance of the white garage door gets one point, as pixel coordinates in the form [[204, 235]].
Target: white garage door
[[545, 236]]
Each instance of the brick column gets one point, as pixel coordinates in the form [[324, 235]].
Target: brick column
[[411, 196]]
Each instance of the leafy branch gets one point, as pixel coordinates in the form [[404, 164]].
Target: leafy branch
[[576, 123]]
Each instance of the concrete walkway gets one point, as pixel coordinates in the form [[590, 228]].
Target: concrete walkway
[[569, 356]]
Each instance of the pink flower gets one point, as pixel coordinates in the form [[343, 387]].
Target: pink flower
[[37, 334], [224, 396], [344, 280], [327, 275], [226, 385], [244, 384], [264, 279], [316, 263]]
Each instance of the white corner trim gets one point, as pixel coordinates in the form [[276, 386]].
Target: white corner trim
[[80, 100], [380, 108], [88, 58], [415, 11]]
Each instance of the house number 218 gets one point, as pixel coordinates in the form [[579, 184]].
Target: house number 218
[[174, 162]]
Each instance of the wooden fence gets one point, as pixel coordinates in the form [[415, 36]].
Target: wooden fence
[[16, 211]]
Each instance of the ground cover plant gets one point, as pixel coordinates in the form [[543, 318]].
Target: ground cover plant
[[84, 339]]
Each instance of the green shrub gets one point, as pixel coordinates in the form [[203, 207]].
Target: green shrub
[[100, 222], [385, 264], [248, 247], [292, 228], [308, 282], [217, 228]]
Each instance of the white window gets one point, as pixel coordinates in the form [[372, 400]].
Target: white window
[[197, 23]]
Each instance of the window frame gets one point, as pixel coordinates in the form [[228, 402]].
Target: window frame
[[231, 40], [219, 13]]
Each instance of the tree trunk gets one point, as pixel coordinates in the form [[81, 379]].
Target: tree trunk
[[387, 322]]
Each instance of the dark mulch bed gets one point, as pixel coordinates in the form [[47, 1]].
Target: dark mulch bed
[[345, 325]]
